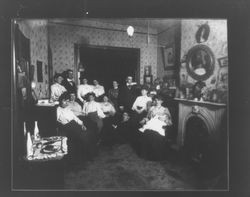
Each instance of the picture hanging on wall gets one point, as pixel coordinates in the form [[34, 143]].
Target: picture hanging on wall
[[46, 69], [148, 78], [39, 65], [32, 71], [147, 70], [202, 33], [223, 61], [168, 57]]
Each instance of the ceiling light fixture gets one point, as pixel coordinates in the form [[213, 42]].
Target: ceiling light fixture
[[130, 31]]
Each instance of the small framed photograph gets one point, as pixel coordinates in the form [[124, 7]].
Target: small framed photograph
[[147, 70], [148, 79], [223, 61]]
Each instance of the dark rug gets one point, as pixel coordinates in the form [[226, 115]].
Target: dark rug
[[120, 168]]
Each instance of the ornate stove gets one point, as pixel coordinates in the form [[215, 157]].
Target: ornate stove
[[210, 113]]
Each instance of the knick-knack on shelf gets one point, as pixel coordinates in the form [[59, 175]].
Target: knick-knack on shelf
[[36, 132], [29, 146]]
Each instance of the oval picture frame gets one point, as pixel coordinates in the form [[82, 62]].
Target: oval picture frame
[[202, 33], [200, 62]]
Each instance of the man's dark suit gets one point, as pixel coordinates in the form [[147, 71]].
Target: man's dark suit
[[127, 96], [70, 86]]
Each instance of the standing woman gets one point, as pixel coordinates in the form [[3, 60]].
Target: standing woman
[[57, 89]]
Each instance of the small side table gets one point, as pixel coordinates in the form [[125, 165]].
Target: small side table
[[45, 168]]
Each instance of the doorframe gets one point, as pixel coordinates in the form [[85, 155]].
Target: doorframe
[[77, 58]]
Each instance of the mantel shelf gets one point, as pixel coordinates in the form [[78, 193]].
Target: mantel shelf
[[201, 102]]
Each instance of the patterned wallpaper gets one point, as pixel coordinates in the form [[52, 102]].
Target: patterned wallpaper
[[36, 31], [217, 42], [62, 38]]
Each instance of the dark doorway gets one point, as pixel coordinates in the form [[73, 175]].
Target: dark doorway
[[109, 63]]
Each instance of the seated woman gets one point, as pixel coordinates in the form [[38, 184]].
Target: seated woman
[[74, 106], [57, 89], [98, 90], [107, 107], [93, 110], [153, 142], [74, 129], [83, 89], [122, 129], [107, 130], [140, 105]]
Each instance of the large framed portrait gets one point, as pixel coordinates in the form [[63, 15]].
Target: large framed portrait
[[168, 55]]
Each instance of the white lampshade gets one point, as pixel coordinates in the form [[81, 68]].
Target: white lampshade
[[33, 85], [130, 31]]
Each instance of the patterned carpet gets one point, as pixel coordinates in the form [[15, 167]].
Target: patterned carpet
[[120, 168]]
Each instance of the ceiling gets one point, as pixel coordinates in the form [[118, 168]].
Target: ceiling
[[158, 24]]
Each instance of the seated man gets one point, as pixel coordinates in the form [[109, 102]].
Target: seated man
[[74, 129]]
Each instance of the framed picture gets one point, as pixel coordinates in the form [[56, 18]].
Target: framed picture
[[168, 57], [147, 70], [148, 79], [223, 61], [39, 65], [202, 33]]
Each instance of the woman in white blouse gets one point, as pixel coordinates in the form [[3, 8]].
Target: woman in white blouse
[[74, 106], [107, 135], [74, 129], [83, 90], [93, 110], [57, 89], [98, 89], [107, 107], [140, 105]]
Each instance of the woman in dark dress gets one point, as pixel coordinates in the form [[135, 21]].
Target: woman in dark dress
[[156, 125]]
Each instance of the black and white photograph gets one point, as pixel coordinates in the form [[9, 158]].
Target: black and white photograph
[[101, 100], [118, 130]]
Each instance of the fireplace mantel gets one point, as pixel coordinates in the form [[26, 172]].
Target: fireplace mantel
[[201, 102], [211, 113]]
